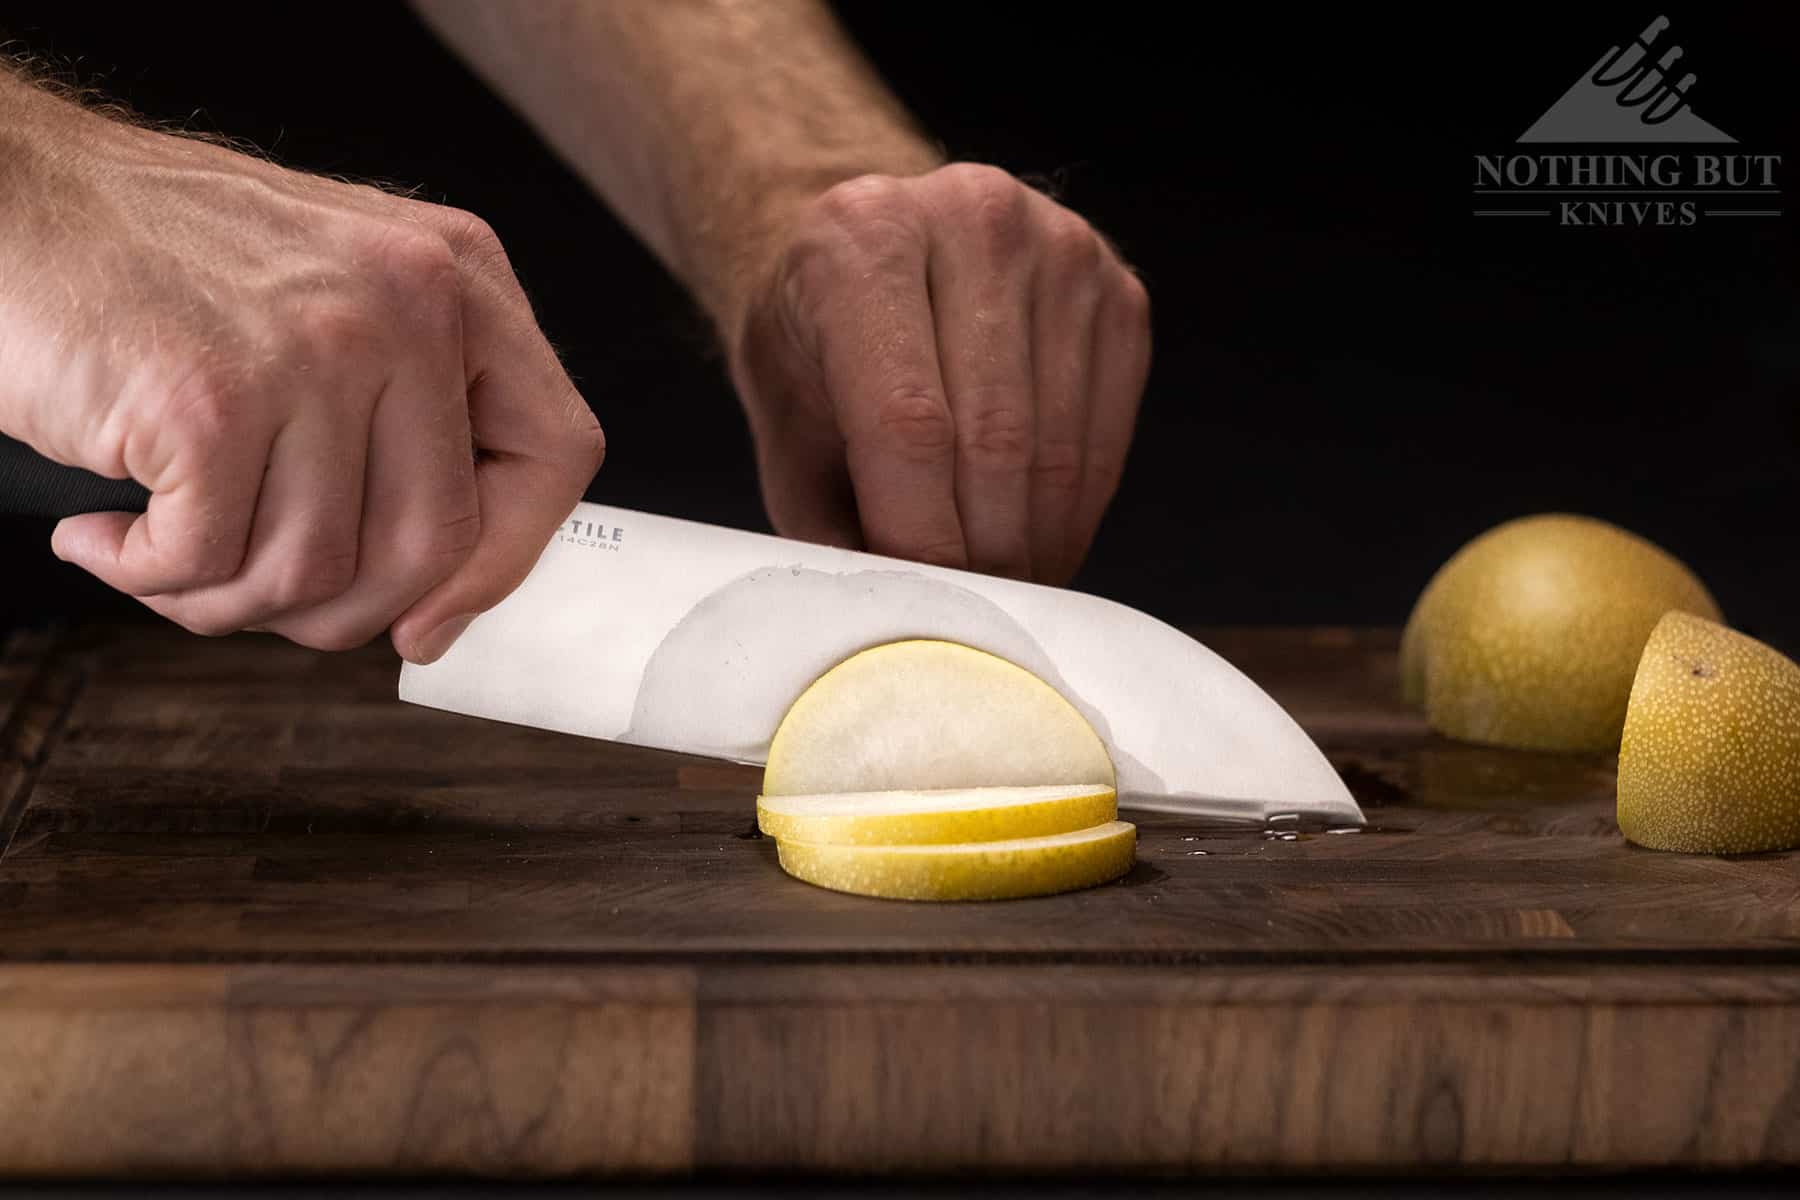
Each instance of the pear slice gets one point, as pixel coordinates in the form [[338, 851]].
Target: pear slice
[[923, 817], [1004, 870], [1710, 762], [930, 715]]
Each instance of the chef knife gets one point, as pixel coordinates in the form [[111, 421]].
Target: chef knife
[[661, 632]]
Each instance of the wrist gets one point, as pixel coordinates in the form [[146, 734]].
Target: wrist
[[732, 264]]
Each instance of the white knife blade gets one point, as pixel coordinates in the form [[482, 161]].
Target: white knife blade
[[668, 633]]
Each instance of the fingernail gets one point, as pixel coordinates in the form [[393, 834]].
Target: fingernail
[[435, 644]]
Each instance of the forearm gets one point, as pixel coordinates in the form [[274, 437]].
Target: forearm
[[33, 121], [23, 104], [46, 189], [60, 157], [704, 123]]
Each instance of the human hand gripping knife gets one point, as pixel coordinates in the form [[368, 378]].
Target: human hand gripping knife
[[682, 636]]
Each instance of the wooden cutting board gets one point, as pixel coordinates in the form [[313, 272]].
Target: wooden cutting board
[[257, 916]]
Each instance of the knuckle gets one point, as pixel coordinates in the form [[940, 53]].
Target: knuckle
[[939, 552], [1107, 466], [862, 197], [582, 441], [1134, 302], [202, 419], [445, 544], [331, 639], [1072, 244], [915, 423], [872, 216], [807, 267], [202, 408], [587, 444], [313, 578], [1002, 228], [477, 247], [1057, 465], [997, 437], [979, 180], [472, 237], [412, 257], [786, 317], [995, 205], [211, 563], [330, 329], [207, 626], [808, 279]]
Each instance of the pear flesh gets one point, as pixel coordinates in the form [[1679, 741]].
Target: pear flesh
[[929, 770], [919, 817], [1710, 762], [931, 715], [997, 870]]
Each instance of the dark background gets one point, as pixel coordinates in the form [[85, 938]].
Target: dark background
[[1353, 375]]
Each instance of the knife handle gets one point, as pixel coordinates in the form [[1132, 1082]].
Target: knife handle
[[33, 486]]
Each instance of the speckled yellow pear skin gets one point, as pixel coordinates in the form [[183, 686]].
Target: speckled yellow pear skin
[[1005, 870], [1530, 635], [1710, 762]]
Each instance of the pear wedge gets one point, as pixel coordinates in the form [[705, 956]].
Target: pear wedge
[[1710, 762], [1529, 635]]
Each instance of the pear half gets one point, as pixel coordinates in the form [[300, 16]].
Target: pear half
[[1529, 635], [958, 815], [1003, 870], [1710, 762], [931, 715]]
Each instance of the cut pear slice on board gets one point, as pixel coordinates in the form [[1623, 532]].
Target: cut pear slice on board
[[930, 715], [936, 817], [968, 870]]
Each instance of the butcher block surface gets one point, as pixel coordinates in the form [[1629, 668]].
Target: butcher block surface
[[259, 917]]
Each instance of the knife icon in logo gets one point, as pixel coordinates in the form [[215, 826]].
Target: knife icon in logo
[[1630, 95]]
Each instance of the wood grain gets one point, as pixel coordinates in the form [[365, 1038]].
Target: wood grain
[[258, 917], [214, 1070], [1310, 1069]]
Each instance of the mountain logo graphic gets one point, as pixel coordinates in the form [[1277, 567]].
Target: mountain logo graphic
[[1631, 95]]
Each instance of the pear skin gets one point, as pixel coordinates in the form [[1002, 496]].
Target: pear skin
[[1003, 870], [1529, 636], [1710, 762]]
